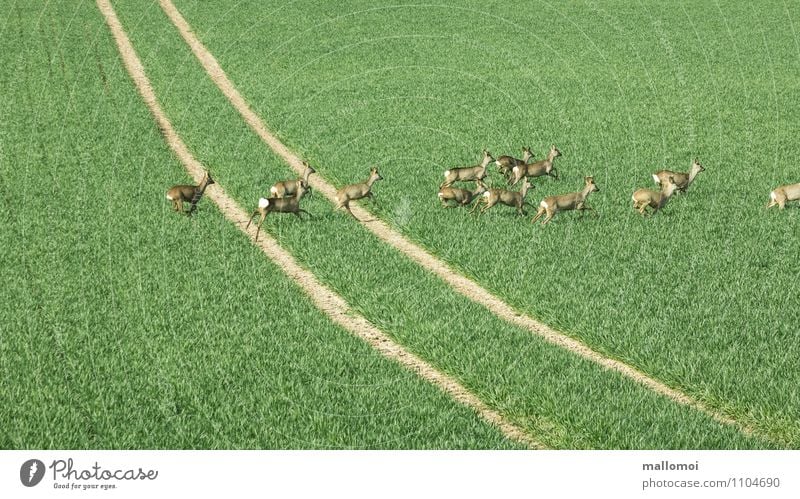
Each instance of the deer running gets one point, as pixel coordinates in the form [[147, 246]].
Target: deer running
[[783, 194], [191, 193], [288, 188], [462, 197], [655, 200], [572, 201], [682, 180], [508, 198], [353, 192], [538, 169], [467, 173], [506, 163], [279, 205]]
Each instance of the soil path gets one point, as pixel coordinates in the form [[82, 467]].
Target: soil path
[[465, 286], [333, 305]]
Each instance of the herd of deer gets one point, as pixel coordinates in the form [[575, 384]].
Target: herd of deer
[[286, 195]]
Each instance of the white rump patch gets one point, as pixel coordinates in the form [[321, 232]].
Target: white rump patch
[[486, 194], [497, 162], [274, 190], [441, 195], [656, 179], [447, 173], [543, 204], [263, 203], [515, 169], [168, 197]]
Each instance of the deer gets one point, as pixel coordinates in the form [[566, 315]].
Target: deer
[[643, 198], [506, 163], [462, 197], [508, 198], [783, 194], [572, 201], [682, 180], [288, 188], [353, 192], [191, 193], [280, 205], [538, 169], [467, 173]]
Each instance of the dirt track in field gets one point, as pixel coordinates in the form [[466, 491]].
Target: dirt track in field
[[333, 305], [465, 286]]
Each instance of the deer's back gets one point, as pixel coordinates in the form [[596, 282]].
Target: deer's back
[[791, 191], [182, 192]]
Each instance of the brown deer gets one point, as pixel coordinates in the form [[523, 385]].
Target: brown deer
[[532, 170], [191, 193], [467, 173], [682, 180], [783, 194], [508, 198], [353, 192], [279, 205], [643, 198], [462, 197], [572, 201], [288, 188], [506, 163]]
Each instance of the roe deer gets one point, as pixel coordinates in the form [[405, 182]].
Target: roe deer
[[656, 200], [783, 194], [508, 198], [544, 167], [467, 173], [180, 193], [462, 197], [279, 205], [287, 188], [572, 201], [682, 180], [357, 191], [506, 163]]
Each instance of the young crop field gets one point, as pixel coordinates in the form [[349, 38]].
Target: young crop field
[[132, 326]]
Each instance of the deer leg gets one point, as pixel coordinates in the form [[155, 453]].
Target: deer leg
[[549, 217], [178, 205], [299, 210], [263, 216], [250, 220]]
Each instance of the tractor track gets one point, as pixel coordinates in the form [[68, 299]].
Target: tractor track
[[326, 300]]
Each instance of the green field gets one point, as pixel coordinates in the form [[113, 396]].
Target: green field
[[133, 327]]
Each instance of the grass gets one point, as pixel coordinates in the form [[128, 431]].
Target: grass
[[562, 400], [127, 326], [700, 296]]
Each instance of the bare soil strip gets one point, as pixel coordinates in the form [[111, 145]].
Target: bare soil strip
[[333, 305], [465, 286]]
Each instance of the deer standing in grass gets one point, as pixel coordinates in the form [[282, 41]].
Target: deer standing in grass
[[783, 194], [279, 205], [506, 163], [462, 197], [508, 198], [654, 199], [682, 180], [477, 172], [288, 188], [190, 193], [353, 192], [572, 201], [538, 169]]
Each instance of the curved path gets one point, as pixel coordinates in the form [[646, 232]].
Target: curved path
[[333, 305], [463, 285]]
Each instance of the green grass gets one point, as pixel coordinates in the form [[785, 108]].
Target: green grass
[[127, 326], [702, 296], [562, 400]]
